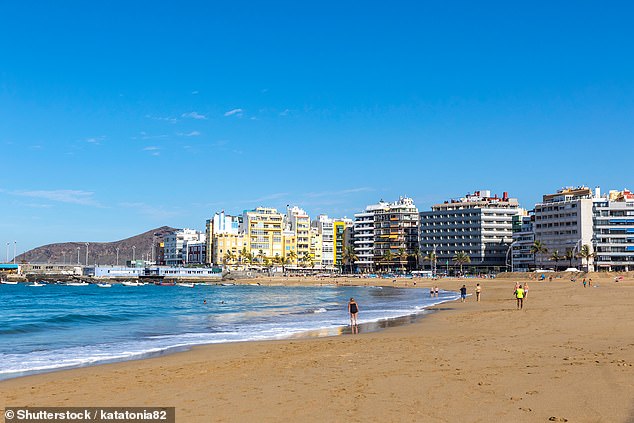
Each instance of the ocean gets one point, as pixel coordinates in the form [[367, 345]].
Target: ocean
[[56, 326]]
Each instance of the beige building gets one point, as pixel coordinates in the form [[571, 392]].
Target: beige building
[[316, 249], [262, 230], [224, 243]]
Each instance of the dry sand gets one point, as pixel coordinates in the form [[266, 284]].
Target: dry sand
[[567, 355]]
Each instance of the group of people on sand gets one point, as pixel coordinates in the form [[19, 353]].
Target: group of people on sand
[[520, 294]]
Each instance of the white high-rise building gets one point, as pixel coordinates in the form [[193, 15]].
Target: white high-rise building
[[325, 227], [563, 222], [613, 241], [363, 238]]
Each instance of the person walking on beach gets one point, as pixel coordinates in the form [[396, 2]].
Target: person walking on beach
[[519, 294], [478, 289], [353, 309], [463, 293], [525, 290]]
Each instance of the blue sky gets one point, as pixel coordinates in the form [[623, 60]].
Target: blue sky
[[117, 117]]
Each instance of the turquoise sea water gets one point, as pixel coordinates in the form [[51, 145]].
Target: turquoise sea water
[[56, 326]]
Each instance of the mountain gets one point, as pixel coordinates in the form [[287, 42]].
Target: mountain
[[101, 253]]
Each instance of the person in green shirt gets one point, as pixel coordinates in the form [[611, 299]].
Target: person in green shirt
[[519, 294]]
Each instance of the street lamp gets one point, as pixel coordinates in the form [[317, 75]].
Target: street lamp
[[510, 251], [15, 243], [87, 254]]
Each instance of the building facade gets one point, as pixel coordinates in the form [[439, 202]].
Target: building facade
[[613, 241], [522, 259], [396, 235], [363, 237], [175, 245], [221, 223], [325, 227], [478, 225], [262, 229], [563, 223]]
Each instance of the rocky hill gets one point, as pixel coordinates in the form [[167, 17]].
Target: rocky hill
[[102, 253]]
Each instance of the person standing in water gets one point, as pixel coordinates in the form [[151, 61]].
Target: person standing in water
[[353, 309]]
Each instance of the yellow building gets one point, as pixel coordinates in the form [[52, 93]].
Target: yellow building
[[316, 249], [290, 247], [263, 232], [298, 222], [339, 227], [227, 248]]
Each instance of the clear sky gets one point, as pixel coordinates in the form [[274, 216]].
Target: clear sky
[[120, 116]]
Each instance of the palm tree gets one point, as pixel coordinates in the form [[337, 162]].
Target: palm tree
[[570, 256], [387, 258], [461, 258], [586, 254], [556, 257], [349, 256], [402, 256], [245, 256], [260, 256], [306, 258], [291, 257], [537, 248], [432, 258], [229, 257], [416, 256]]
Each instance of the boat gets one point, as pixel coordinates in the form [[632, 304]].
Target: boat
[[77, 284], [164, 283], [185, 285], [8, 282], [227, 284], [104, 285], [130, 283], [37, 284]]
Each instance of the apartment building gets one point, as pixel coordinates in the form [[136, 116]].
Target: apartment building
[[564, 222], [228, 245], [175, 245], [324, 226], [298, 221], [363, 237], [263, 228], [396, 235], [522, 259], [478, 224], [613, 240], [385, 235], [220, 223], [342, 239]]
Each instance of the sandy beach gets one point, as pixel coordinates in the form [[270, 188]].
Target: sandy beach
[[567, 356]]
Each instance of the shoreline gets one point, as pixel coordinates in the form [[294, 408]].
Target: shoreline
[[331, 331], [567, 355]]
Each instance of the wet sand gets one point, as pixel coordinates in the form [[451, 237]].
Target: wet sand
[[567, 355]]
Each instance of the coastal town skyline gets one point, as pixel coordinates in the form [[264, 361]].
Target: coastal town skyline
[[328, 108]]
